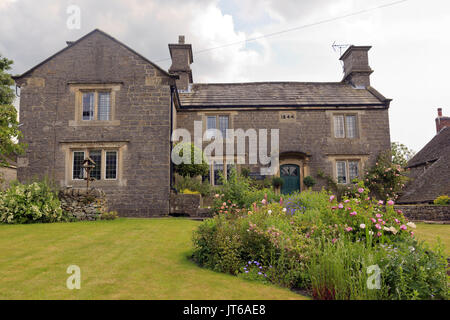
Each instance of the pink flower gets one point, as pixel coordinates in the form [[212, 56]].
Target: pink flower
[[403, 227], [216, 195], [378, 234], [334, 240], [360, 190], [333, 208], [332, 198], [368, 198], [263, 201], [390, 202], [353, 213], [340, 206], [348, 229], [378, 226], [412, 234], [399, 211], [346, 201], [380, 202], [396, 220], [373, 220], [378, 215]]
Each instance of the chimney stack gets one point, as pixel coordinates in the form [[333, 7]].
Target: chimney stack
[[356, 66], [181, 55], [441, 121]]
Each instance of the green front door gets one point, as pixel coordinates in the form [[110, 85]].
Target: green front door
[[290, 173]]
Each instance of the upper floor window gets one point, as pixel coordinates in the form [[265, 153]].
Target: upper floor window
[[96, 105], [345, 126], [219, 122], [347, 170]]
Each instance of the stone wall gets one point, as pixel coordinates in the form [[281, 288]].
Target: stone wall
[[7, 174], [311, 133], [425, 212], [188, 205], [83, 204]]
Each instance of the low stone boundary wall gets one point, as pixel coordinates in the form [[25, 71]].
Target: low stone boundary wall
[[425, 212], [188, 205], [83, 204]]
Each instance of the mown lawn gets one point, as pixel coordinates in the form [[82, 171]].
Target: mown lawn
[[121, 259], [430, 232]]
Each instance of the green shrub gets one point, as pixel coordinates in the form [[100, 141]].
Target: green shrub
[[443, 200], [111, 215], [30, 203], [277, 182], [309, 181], [193, 184], [190, 168]]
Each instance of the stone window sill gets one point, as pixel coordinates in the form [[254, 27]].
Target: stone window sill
[[94, 123]]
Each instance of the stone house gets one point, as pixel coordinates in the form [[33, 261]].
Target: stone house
[[99, 98], [430, 167]]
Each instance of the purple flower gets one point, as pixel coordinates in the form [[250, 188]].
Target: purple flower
[[360, 190], [340, 206]]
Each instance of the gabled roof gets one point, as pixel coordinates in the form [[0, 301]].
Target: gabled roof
[[72, 43], [435, 179], [437, 147], [280, 94]]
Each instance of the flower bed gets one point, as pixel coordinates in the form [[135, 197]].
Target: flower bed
[[359, 248]]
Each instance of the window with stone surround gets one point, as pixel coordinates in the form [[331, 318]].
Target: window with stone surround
[[106, 164], [347, 170], [345, 126], [220, 122], [94, 104]]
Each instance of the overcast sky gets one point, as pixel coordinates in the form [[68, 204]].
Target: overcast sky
[[410, 43]]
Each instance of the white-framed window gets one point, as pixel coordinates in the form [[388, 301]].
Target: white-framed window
[[106, 164], [218, 122], [347, 170], [345, 126], [96, 105]]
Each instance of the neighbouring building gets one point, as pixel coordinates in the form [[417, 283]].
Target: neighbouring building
[[430, 167], [99, 98]]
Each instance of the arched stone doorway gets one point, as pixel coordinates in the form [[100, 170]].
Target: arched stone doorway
[[293, 168]]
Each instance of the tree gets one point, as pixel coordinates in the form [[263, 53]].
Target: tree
[[189, 168], [9, 124], [401, 154]]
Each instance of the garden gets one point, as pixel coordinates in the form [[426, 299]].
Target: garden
[[350, 246]]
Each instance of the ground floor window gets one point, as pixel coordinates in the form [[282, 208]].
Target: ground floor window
[[347, 170], [218, 169], [106, 164]]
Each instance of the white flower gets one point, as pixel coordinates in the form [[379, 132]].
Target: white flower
[[371, 233], [393, 230], [284, 210], [269, 212], [362, 225], [411, 225], [386, 229]]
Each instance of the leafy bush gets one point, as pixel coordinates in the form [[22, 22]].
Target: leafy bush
[[187, 191], [443, 200], [111, 215], [277, 182], [309, 181], [190, 168], [385, 179], [30, 203], [193, 184]]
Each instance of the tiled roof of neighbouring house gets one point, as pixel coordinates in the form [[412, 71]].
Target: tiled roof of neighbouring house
[[280, 94], [435, 179]]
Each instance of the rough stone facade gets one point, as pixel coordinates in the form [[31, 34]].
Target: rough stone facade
[[188, 205], [82, 204], [7, 174], [425, 212], [140, 128], [311, 136]]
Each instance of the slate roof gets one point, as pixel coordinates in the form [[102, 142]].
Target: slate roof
[[280, 94], [435, 180]]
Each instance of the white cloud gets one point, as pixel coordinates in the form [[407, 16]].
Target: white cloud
[[409, 54]]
